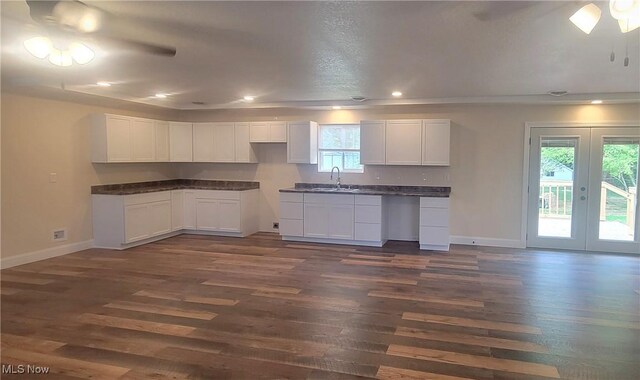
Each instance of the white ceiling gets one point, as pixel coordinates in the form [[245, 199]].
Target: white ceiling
[[323, 53]]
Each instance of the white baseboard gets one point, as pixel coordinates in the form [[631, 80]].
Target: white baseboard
[[30, 257], [489, 242]]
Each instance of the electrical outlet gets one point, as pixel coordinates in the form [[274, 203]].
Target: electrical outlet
[[276, 225], [59, 235]]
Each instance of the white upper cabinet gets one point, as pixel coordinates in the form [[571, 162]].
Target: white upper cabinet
[[143, 140], [224, 147], [244, 150], [268, 131], [180, 142], [162, 140], [436, 135], [372, 142], [203, 149], [302, 142], [403, 142], [111, 139], [116, 138]]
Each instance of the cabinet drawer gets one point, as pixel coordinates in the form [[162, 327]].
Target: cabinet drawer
[[218, 194], [368, 214], [434, 217], [434, 235], [136, 199], [291, 227], [373, 200], [291, 210], [434, 202], [291, 197], [334, 199], [368, 232]]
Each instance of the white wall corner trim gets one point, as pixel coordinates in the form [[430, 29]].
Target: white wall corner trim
[[488, 242], [48, 253]]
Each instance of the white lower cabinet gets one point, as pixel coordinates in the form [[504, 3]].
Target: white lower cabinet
[[146, 216], [123, 221], [177, 210], [291, 214], [343, 218], [434, 224], [357, 219]]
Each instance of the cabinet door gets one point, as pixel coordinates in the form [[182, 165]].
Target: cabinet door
[[230, 216], [259, 132], [341, 220], [203, 137], [118, 139], [190, 210], [372, 142], [436, 135], [136, 222], [403, 142], [177, 210], [302, 143], [316, 220], [278, 131], [159, 218], [207, 214], [180, 142], [162, 141], [224, 147], [244, 150], [143, 140]]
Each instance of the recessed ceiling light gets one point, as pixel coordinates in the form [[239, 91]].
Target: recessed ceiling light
[[249, 98], [396, 94], [161, 96], [103, 84], [598, 101], [336, 107]]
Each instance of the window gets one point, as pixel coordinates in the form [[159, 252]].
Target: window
[[339, 145]]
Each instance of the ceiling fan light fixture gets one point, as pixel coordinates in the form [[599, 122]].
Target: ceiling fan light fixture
[[81, 53], [60, 57], [586, 17], [39, 47], [630, 24], [624, 9]]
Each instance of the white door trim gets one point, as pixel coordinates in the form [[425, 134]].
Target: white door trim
[[525, 162]]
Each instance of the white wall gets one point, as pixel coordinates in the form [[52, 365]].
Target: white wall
[[486, 158], [42, 136]]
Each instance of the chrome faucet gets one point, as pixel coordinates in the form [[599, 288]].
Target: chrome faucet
[[338, 179]]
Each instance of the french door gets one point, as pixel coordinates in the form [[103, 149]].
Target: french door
[[583, 189]]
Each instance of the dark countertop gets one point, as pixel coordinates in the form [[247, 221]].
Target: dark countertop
[[172, 184], [412, 191]]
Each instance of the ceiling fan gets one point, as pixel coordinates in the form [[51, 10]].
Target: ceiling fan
[[75, 19], [626, 12]]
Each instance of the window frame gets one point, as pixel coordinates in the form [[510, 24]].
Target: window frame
[[321, 150]]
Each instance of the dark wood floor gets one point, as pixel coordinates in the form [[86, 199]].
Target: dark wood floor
[[259, 308]]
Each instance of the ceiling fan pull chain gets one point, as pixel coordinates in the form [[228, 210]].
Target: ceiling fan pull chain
[[626, 58]]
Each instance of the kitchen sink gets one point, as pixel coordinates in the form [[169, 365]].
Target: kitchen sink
[[335, 189]]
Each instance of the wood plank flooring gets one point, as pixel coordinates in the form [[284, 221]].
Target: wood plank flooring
[[202, 307]]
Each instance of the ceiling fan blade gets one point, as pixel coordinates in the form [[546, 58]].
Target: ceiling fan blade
[[167, 51]]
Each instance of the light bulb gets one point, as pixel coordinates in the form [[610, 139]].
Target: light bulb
[[39, 47], [586, 17], [81, 53], [60, 57]]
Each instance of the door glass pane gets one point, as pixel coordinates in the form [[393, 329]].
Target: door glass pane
[[618, 189], [555, 202]]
